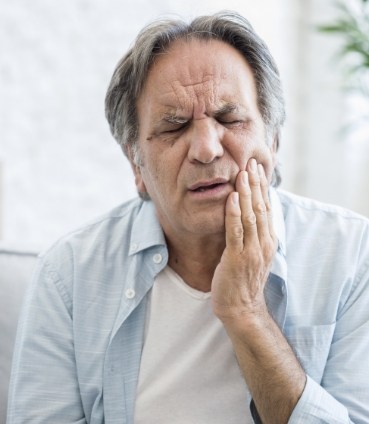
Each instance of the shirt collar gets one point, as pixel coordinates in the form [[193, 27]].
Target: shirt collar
[[278, 220], [146, 229], [279, 264], [276, 287], [147, 232]]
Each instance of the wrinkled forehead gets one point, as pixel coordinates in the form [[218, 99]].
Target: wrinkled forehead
[[192, 58], [204, 71]]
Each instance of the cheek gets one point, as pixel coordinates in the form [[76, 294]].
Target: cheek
[[266, 159], [151, 176], [165, 162], [244, 151], [158, 177]]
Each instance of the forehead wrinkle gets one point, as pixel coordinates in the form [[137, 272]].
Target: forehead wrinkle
[[196, 96]]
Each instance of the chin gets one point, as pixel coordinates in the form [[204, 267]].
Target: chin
[[209, 226]]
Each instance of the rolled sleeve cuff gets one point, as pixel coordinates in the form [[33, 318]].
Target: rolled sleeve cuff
[[317, 406]]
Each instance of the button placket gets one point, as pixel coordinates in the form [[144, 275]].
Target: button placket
[[130, 293]]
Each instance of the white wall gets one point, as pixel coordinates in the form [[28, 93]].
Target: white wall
[[61, 167], [331, 163]]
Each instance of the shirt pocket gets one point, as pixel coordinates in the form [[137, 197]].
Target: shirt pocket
[[311, 346]]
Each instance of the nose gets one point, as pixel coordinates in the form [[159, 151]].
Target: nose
[[205, 141]]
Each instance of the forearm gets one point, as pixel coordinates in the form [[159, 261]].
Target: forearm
[[271, 370]]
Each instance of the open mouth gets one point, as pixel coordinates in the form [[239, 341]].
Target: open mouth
[[214, 188], [207, 187]]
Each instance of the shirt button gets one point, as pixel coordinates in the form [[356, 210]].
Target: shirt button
[[130, 293], [134, 247], [157, 258]]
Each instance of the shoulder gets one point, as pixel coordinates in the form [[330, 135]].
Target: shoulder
[[88, 246], [324, 227], [295, 206], [101, 229]]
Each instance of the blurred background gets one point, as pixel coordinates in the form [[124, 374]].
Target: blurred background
[[59, 165]]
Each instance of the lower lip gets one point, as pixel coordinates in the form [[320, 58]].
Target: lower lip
[[218, 192]]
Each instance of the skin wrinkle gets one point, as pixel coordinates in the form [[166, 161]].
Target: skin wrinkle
[[194, 81], [175, 117], [179, 118], [190, 92]]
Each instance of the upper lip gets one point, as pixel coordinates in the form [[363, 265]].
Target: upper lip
[[207, 183]]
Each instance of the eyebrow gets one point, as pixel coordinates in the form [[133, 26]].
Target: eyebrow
[[174, 118], [227, 108]]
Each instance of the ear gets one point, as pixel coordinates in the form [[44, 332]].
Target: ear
[[140, 185]]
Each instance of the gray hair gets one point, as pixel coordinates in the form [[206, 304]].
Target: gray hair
[[132, 70]]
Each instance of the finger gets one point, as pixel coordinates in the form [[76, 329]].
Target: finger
[[258, 203], [233, 223], [264, 184], [247, 212]]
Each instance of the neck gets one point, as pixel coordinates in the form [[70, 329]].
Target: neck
[[196, 260]]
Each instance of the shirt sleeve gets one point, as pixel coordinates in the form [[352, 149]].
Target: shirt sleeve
[[44, 386], [342, 396], [317, 406]]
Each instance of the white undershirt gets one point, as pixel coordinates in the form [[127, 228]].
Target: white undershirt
[[189, 373]]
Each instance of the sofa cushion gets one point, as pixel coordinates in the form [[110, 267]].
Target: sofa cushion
[[16, 267]]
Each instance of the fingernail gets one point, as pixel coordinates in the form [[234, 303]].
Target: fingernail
[[235, 198], [253, 165], [245, 178]]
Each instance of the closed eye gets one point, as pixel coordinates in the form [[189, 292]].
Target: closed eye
[[230, 123], [175, 129]]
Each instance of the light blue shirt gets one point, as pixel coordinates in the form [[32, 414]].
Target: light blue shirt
[[80, 336]]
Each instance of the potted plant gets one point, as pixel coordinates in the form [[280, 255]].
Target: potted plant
[[352, 26]]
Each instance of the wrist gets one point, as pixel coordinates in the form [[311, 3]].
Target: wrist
[[241, 321]]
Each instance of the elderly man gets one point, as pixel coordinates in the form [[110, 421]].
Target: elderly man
[[214, 297]]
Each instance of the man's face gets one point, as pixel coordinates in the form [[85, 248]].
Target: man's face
[[199, 125]]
